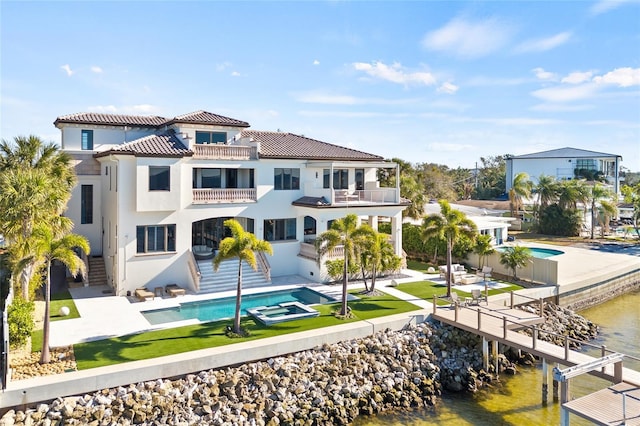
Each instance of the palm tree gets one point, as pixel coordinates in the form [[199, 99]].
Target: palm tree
[[410, 189], [30, 196], [341, 233], [449, 224], [483, 248], [607, 210], [547, 191], [376, 254], [45, 247], [515, 257], [242, 245], [520, 189], [37, 179], [598, 193]]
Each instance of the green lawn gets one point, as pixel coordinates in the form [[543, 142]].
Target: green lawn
[[427, 289], [189, 338], [420, 266], [59, 300]]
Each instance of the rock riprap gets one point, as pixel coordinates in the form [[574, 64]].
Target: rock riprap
[[331, 384]]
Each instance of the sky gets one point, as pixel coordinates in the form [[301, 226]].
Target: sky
[[445, 82]]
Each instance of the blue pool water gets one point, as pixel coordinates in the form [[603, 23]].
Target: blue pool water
[[217, 309], [540, 253]]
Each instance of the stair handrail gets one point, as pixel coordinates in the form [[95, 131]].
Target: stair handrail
[[264, 265], [194, 269]]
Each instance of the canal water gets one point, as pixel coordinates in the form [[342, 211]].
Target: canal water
[[518, 400]]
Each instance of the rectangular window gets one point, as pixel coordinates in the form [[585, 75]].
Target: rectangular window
[[326, 176], [87, 139], [340, 179], [86, 204], [156, 239], [286, 179], [211, 178], [359, 179], [159, 178], [231, 177], [280, 229], [207, 138]]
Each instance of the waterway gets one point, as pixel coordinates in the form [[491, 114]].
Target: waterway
[[518, 400]]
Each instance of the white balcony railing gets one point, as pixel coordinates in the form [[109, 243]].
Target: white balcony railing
[[225, 152], [373, 196], [308, 250], [227, 195]]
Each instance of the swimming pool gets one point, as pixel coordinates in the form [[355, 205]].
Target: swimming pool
[[217, 309], [540, 253]]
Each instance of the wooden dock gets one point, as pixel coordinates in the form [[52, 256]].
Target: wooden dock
[[499, 323], [606, 407]]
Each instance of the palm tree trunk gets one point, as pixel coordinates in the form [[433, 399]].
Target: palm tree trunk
[[364, 277], [593, 218], [449, 244], [373, 277], [236, 320], [45, 356], [345, 282]]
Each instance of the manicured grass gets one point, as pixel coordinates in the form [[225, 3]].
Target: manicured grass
[[419, 266], [189, 338], [59, 300], [427, 289]]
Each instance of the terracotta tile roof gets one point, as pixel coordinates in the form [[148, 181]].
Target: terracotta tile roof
[[165, 144], [111, 119], [289, 145], [198, 117], [204, 117]]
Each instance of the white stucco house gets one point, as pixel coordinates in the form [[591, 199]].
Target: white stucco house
[[563, 164], [153, 192]]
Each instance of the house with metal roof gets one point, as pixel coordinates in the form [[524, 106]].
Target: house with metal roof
[[566, 164], [153, 193]]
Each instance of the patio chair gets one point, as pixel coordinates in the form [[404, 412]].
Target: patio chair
[[174, 290], [485, 272], [477, 297], [454, 298]]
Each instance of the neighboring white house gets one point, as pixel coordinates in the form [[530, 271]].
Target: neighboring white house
[[563, 164], [151, 189]]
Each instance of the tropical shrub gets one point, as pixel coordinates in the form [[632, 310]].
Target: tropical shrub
[[20, 319]]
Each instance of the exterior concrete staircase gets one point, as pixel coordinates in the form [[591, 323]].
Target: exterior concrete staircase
[[226, 278], [97, 271]]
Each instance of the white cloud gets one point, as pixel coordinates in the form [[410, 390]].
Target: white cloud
[[565, 94], [68, 70], [110, 109], [577, 77], [96, 69], [541, 74], [316, 62], [395, 73], [223, 66], [235, 74], [560, 108], [448, 88], [622, 77], [342, 114], [544, 44], [469, 39], [605, 5]]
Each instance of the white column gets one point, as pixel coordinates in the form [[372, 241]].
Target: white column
[[396, 233], [373, 222]]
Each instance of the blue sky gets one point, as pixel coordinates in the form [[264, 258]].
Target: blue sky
[[424, 81]]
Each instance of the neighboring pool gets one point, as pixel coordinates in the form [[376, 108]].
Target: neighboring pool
[[540, 253], [217, 309]]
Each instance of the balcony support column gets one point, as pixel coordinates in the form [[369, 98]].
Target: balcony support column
[[396, 233], [373, 222]]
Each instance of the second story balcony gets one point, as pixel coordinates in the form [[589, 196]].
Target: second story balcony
[[224, 195], [225, 152]]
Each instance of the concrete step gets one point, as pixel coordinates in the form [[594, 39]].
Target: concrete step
[[226, 278], [97, 271]]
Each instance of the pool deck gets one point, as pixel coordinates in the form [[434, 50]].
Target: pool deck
[[104, 315]]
